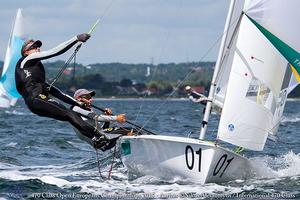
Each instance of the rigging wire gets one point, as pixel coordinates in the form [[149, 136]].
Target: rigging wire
[[168, 35], [98, 163], [178, 85], [112, 162], [73, 55], [189, 73], [62, 69]]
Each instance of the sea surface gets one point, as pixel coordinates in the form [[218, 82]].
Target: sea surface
[[42, 158]]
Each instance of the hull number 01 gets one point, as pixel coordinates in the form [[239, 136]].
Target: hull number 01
[[194, 156], [193, 159], [219, 167]]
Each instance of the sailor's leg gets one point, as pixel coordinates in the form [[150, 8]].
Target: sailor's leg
[[55, 110]]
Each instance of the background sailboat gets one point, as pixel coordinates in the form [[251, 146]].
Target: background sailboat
[[257, 66], [8, 92]]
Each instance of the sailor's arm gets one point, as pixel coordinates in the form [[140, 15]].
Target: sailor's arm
[[54, 91], [109, 118], [106, 118], [60, 49], [196, 97], [85, 113], [100, 118]]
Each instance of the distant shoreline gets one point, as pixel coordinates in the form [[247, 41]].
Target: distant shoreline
[[151, 99], [157, 98], [139, 98]]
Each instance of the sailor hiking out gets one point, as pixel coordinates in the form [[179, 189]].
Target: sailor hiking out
[[89, 115], [195, 96], [31, 84]]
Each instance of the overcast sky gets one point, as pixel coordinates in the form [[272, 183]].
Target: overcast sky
[[130, 31]]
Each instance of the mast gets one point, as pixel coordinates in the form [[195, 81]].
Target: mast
[[216, 72]]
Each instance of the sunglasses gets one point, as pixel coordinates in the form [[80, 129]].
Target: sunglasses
[[86, 97], [33, 46]]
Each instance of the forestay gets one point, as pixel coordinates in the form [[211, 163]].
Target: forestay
[[8, 92], [260, 75]]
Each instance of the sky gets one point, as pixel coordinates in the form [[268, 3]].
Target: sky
[[130, 31]]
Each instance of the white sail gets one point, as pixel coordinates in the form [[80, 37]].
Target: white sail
[[260, 77], [8, 92]]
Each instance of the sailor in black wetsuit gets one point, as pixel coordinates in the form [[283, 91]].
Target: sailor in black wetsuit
[[90, 116], [31, 84]]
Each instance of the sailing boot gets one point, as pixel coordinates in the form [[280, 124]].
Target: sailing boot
[[103, 143]]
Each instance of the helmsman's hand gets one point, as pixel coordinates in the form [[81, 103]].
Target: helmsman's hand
[[83, 37], [121, 118]]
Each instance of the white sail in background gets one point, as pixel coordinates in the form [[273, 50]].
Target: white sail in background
[[8, 92], [261, 76]]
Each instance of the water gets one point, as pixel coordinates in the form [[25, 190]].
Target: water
[[43, 159]]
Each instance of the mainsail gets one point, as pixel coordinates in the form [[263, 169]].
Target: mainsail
[[264, 67], [228, 53], [8, 92]]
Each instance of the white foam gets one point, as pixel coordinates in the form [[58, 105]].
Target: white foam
[[273, 167], [55, 181], [293, 99], [291, 163], [54, 175], [290, 119], [14, 175], [11, 144], [14, 112], [272, 171]]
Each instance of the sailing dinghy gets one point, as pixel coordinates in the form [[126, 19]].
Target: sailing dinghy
[[257, 66], [8, 91]]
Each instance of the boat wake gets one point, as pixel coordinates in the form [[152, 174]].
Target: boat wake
[[287, 165], [84, 177]]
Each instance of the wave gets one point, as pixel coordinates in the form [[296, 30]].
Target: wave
[[293, 99], [290, 120], [14, 112], [11, 144], [87, 180], [287, 165]]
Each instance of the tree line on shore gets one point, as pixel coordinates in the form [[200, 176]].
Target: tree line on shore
[[135, 80]]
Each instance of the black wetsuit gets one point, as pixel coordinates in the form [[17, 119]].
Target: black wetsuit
[[31, 84]]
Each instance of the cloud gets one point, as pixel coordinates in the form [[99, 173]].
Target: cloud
[[131, 31]]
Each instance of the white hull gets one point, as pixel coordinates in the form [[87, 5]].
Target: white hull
[[169, 157]]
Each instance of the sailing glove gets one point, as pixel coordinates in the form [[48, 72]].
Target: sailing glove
[[83, 37]]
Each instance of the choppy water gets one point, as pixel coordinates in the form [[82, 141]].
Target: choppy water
[[43, 159]]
